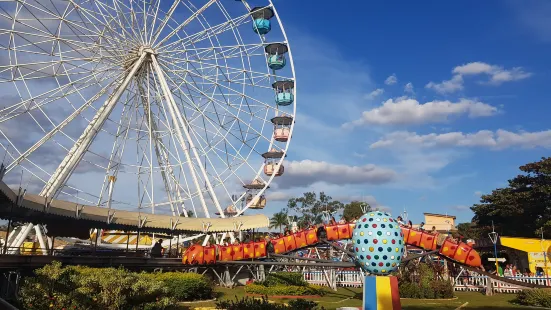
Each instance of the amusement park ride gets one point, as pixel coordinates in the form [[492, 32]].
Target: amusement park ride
[[148, 117]]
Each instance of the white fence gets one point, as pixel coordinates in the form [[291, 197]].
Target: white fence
[[472, 282], [344, 278], [476, 282]]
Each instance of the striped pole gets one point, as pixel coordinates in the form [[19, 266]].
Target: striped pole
[[381, 293]]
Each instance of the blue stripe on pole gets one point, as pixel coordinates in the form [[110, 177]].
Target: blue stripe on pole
[[370, 293]]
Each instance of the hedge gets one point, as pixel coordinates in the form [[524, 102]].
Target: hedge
[[534, 297], [57, 287], [285, 278], [185, 286], [263, 304], [284, 290]]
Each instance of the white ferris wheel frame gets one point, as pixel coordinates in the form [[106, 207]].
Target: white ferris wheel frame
[[75, 155]]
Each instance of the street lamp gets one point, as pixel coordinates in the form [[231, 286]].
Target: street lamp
[[544, 256], [493, 237]]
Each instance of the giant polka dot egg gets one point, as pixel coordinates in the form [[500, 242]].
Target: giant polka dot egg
[[378, 243]]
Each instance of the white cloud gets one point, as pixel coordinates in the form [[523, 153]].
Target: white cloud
[[449, 86], [391, 80], [406, 111], [497, 75], [374, 94], [307, 172], [409, 88], [484, 138], [278, 196], [478, 193]]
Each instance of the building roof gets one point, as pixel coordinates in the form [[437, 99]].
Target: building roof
[[440, 215], [32, 208]]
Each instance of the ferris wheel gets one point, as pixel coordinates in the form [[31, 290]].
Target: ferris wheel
[[172, 107]]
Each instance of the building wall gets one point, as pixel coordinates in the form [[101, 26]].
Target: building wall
[[439, 222]]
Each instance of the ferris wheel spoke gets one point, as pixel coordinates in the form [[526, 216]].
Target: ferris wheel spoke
[[104, 21], [225, 102], [117, 151], [212, 122], [176, 156], [181, 126], [183, 24], [167, 173], [118, 5], [223, 105], [206, 33], [221, 86], [165, 20], [57, 129], [58, 179], [199, 137], [38, 101]]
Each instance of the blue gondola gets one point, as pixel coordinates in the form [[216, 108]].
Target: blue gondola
[[276, 62], [284, 92], [276, 58], [261, 20]]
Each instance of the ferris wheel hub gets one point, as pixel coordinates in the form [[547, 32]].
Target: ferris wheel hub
[[135, 53]]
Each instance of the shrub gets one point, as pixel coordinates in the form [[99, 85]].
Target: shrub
[[534, 297], [303, 304], [249, 304], [285, 278], [423, 281], [263, 304], [185, 286], [86, 288]]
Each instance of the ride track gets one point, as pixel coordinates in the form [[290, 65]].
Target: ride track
[[434, 244]]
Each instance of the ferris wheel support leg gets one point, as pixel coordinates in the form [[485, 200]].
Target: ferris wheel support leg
[[181, 126], [67, 166], [14, 246], [40, 237]]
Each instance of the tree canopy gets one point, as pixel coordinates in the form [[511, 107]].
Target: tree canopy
[[523, 208], [355, 209], [279, 220], [310, 207]]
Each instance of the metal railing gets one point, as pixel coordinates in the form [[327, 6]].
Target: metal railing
[[477, 282]]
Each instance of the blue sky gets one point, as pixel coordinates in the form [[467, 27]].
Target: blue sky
[[416, 105], [464, 107]]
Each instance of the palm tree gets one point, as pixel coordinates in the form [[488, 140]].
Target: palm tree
[[279, 219]]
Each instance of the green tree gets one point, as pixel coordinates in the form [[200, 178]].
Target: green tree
[[523, 208], [471, 231], [354, 210], [279, 219], [310, 207]]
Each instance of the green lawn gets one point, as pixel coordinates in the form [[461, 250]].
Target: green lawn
[[351, 297]]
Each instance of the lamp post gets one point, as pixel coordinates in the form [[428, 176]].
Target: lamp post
[[493, 237], [544, 258]]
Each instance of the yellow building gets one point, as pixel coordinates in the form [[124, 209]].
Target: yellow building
[[443, 223], [537, 251]]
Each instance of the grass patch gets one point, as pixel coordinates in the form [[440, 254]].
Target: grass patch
[[352, 297]]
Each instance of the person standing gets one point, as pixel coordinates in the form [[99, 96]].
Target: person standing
[[157, 249]]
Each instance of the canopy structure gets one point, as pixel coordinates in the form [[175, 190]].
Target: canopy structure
[[37, 209]]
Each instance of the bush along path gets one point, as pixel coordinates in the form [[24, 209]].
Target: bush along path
[[84, 288]]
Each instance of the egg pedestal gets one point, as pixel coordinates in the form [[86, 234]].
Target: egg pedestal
[[379, 247]]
